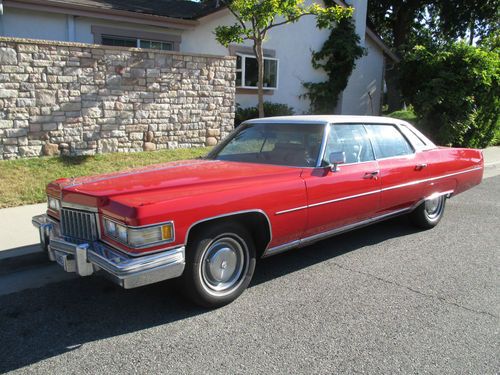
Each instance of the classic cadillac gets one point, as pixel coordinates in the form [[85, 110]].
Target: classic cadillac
[[272, 185]]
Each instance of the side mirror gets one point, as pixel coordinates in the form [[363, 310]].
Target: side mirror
[[336, 158]]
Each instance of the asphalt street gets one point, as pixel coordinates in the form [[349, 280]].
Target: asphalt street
[[384, 299]]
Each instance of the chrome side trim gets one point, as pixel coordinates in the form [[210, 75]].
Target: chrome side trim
[[76, 206], [320, 236], [281, 248], [345, 198], [454, 174], [349, 227], [416, 182], [259, 211], [291, 210]]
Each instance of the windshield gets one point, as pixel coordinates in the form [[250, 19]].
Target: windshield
[[295, 145]]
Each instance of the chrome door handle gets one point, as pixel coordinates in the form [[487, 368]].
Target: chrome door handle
[[419, 167], [373, 175]]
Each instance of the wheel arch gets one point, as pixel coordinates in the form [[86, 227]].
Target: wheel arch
[[255, 221]]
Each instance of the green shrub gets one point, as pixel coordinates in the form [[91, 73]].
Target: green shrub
[[270, 110], [455, 92], [405, 115], [496, 139]]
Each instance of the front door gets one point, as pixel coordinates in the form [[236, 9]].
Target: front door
[[349, 195]]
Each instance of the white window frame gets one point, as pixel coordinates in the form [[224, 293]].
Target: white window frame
[[152, 40], [242, 70], [138, 41]]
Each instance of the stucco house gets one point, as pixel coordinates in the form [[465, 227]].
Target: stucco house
[[187, 26]]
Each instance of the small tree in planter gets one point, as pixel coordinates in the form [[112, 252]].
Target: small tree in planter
[[256, 17]]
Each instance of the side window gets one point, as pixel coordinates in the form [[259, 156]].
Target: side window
[[413, 138], [388, 141], [351, 139]]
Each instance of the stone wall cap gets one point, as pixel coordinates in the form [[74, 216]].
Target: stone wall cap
[[57, 43]]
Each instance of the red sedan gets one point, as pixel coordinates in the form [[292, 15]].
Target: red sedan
[[274, 184]]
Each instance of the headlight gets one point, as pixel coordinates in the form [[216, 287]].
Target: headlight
[[54, 204], [139, 237]]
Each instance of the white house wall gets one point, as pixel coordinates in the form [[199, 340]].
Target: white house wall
[[293, 45], [23, 23], [363, 93]]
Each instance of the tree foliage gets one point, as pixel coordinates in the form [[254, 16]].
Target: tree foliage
[[404, 24], [255, 18], [455, 91], [337, 58]]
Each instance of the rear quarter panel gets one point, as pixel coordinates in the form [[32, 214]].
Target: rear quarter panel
[[456, 169]]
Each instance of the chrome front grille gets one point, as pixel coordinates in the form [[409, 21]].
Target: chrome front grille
[[79, 224]]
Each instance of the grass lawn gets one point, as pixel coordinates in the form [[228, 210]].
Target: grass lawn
[[23, 181]]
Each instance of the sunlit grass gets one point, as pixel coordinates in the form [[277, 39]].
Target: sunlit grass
[[23, 181]]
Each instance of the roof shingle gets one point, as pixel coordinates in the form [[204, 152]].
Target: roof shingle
[[184, 9]]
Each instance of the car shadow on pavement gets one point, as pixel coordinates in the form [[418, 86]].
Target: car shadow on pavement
[[41, 323]]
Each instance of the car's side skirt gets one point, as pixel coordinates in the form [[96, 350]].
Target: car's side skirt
[[321, 236]]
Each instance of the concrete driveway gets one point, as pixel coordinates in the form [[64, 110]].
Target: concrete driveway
[[383, 299]]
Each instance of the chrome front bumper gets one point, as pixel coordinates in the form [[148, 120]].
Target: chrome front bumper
[[87, 258]]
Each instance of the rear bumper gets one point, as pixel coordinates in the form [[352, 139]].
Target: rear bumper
[[87, 258]]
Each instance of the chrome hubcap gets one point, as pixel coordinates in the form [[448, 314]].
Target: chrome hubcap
[[223, 265], [433, 207]]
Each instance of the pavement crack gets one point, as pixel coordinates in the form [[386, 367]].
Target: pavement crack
[[427, 295]]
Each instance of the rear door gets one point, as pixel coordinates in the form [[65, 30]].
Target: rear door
[[349, 195], [403, 169]]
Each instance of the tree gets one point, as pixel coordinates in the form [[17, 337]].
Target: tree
[[404, 24], [455, 91], [255, 18]]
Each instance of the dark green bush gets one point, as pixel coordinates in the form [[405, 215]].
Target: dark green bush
[[455, 92], [270, 110], [405, 115]]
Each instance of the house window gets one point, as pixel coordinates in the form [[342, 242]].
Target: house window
[[247, 72], [109, 40]]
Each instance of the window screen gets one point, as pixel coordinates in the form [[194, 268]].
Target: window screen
[[388, 141], [118, 41]]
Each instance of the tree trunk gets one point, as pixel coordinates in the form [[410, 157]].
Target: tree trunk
[[394, 97], [401, 27], [472, 32], [259, 54]]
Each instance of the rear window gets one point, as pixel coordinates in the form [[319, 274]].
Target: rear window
[[413, 138], [388, 141]]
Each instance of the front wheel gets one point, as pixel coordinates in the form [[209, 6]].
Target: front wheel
[[428, 214], [220, 261]]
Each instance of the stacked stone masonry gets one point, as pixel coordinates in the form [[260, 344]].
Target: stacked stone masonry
[[78, 99]]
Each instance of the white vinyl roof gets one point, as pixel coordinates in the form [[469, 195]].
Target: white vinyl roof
[[323, 119]]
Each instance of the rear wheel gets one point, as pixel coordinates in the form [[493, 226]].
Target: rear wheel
[[428, 214], [220, 261]]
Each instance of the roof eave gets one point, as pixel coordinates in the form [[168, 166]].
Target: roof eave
[[108, 14], [379, 42]]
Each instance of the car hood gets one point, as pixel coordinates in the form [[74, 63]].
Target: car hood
[[147, 185]]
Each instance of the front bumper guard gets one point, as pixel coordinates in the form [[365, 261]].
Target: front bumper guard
[[87, 258]]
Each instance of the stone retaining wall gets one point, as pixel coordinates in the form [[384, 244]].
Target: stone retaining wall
[[81, 99]]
